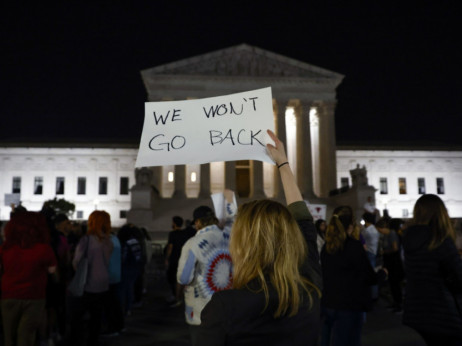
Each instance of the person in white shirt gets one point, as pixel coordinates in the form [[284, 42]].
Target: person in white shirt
[[371, 237], [369, 207], [205, 265]]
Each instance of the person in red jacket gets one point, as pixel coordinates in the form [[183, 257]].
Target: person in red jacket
[[26, 258]]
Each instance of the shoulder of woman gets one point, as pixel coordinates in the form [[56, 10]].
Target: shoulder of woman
[[228, 300], [300, 210]]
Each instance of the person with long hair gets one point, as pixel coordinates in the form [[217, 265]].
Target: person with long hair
[[275, 295], [97, 246], [26, 259], [347, 277], [433, 268]]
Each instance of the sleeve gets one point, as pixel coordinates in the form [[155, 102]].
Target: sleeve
[[212, 330], [49, 258], [186, 264], [300, 211], [79, 251], [311, 268], [451, 265], [230, 215]]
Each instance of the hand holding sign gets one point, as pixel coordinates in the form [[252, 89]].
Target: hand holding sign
[[276, 151], [224, 128]]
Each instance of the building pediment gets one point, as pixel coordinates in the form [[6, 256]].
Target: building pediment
[[243, 60]]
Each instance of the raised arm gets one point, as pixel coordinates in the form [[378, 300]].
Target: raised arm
[[278, 153], [230, 210]]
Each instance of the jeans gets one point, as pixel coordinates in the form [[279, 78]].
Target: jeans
[[342, 326]]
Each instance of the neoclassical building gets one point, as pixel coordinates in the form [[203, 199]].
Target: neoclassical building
[[95, 176], [304, 99], [401, 175]]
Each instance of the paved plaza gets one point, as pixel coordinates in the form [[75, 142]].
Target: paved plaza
[[155, 323]]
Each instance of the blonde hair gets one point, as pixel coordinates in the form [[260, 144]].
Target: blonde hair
[[99, 224], [266, 243], [336, 233], [430, 210]]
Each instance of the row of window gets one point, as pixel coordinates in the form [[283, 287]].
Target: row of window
[[402, 184], [80, 214], [81, 185]]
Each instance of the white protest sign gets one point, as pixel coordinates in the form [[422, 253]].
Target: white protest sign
[[223, 128], [219, 204], [318, 211]]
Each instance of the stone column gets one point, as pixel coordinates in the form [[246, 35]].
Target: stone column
[[281, 133], [157, 180], [327, 147], [204, 191], [230, 175], [303, 140], [180, 182], [257, 180]]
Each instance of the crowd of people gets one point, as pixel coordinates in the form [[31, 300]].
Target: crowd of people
[[39, 255], [265, 273], [274, 276]]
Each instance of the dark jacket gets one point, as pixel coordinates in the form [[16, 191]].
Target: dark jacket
[[347, 277], [239, 317], [434, 281]]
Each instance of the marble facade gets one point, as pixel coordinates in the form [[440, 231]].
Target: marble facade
[[302, 93], [33, 173]]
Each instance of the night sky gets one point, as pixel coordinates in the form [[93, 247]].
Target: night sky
[[72, 72]]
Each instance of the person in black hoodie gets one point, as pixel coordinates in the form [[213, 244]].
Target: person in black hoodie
[[433, 293], [348, 276]]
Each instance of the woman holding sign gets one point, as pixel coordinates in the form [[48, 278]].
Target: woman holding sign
[[275, 298]]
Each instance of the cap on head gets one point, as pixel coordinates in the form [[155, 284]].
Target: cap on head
[[202, 212]]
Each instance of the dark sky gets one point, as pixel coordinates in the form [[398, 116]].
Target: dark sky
[[73, 71]]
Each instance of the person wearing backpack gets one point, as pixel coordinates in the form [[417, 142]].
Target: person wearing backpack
[[132, 264]]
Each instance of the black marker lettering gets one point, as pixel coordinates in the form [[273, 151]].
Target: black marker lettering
[[219, 133], [153, 138], [252, 137], [239, 138], [229, 136], [175, 114], [161, 118], [178, 145], [233, 111], [253, 99], [224, 108], [212, 112]]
